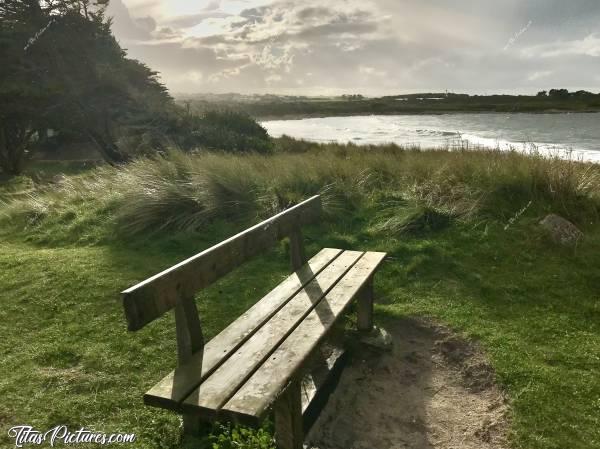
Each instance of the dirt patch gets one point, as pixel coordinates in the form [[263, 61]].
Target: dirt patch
[[432, 390]]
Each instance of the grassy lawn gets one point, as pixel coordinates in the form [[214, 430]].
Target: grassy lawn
[[480, 267]]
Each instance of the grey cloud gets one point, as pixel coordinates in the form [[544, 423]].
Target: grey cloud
[[310, 12], [376, 46], [271, 24], [124, 26], [212, 6], [167, 32], [191, 20], [588, 46], [146, 23]]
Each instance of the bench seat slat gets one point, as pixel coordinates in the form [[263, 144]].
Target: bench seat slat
[[218, 388], [252, 401], [177, 385]]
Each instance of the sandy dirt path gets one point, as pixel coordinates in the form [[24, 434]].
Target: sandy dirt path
[[433, 390]]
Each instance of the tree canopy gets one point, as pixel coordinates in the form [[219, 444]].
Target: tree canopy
[[64, 70]]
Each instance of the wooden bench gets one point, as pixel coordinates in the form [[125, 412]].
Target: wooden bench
[[254, 365]]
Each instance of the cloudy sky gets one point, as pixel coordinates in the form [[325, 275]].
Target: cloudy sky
[[373, 47]]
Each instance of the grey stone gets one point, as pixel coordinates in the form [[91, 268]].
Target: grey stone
[[378, 338], [561, 230]]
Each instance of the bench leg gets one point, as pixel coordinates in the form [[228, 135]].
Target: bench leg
[[193, 426], [189, 341], [365, 307], [288, 418]]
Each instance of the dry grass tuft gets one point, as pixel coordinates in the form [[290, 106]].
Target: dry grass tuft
[[184, 192]]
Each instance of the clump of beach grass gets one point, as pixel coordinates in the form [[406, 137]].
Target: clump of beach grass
[[184, 192]]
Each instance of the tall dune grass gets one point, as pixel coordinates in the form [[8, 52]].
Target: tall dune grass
[[185, 192]]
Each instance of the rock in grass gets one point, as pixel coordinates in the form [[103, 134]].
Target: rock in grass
[[561, 230], [378, 339]]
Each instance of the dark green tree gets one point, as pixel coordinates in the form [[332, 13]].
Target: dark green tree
[[66, 71], [558, 93], [22, 92]]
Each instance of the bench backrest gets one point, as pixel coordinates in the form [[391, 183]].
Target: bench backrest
[[160, 293]]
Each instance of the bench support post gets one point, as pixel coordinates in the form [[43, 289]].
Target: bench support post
[[288, 418], [297, 253], [365, 307], [189, 341]]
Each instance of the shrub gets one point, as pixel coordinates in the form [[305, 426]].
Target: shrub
[[219, 130]]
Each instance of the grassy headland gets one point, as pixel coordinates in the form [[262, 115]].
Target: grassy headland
[[461, 229], [274, 106]]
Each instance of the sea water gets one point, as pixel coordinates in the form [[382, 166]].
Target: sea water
[[566, 135]]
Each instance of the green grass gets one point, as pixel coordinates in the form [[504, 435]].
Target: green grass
[[460, 252]]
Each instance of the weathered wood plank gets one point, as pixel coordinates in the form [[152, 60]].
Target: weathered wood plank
[[170, 391], [320, 382], [189, 342], [158, 294], [297, 254], [253, 400], [364, 311], [189, 332], [223, 383], [289, 432]]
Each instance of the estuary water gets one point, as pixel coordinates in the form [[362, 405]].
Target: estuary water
[[574, 136]]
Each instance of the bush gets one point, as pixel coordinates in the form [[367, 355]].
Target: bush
[[219, 130]]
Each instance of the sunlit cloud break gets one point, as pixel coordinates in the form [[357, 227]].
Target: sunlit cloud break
[[371, 46]]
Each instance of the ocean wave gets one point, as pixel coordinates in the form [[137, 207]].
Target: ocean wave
[[436, 133], [537, 148]]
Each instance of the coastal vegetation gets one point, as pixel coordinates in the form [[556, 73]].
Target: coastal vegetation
[[171, 178], [281, 106], [461, 229]]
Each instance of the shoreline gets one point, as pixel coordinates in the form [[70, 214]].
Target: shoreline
[[321, 131], [270, 118]]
